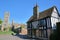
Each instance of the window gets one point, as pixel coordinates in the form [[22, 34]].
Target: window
[[48, 22], [54, 26], [29, 25], [43, 22]]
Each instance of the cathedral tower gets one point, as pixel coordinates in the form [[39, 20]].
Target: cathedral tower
[[5, 23]]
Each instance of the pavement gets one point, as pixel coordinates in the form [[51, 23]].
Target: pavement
[[21, 36], [15, 37]]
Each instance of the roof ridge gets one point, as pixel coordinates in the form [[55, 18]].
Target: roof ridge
[[44, 14], [48, 8]]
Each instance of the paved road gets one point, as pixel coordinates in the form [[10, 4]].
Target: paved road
[[8, 37], [15, 37]]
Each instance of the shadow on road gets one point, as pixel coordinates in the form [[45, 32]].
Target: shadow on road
[[25, 37], [22, 36]]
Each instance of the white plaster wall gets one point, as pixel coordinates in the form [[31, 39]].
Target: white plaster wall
[[54, 13], [54, 21], [54, 18], [35, 23]]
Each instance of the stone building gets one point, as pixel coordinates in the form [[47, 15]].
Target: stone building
[[5, 23], [41, 24]]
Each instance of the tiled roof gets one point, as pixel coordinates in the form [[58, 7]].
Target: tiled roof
[[43, 14]]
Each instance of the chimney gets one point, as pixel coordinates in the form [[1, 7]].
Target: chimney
[[36, 12]]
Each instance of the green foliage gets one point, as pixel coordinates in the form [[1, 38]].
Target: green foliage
[[5, 29], [22, 25], [12, 28], [6, 32], [1, 21], [9, 28], [56, 34], [53, 36], [18, 30], [15, 31], [58, 31]]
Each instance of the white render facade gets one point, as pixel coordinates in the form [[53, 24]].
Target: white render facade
[[54, 18]]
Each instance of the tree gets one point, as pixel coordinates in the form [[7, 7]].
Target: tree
[[58, 31], [13, 28], [0, 23], [56, 34], [23, 26]]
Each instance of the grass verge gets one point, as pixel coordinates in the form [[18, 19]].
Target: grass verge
[[6, 32]]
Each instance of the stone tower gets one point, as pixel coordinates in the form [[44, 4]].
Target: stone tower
[[6, 20]]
